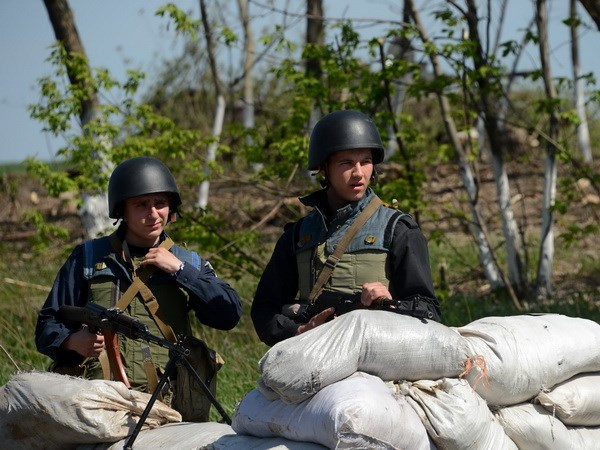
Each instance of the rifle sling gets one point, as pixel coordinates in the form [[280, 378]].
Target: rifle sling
[[339, 250], [138, 285]]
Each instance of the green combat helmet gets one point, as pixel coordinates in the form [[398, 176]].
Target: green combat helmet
[[139, 176], [343, 130]]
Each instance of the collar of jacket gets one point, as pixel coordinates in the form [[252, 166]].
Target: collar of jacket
[[318, 200]]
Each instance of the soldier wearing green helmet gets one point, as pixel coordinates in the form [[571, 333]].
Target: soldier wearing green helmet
[[349, 246], [139, 270]]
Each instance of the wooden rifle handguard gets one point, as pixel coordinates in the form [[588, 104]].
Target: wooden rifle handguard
[[117, 368]]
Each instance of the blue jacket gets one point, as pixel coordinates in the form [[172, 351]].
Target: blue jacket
[[214, 302]]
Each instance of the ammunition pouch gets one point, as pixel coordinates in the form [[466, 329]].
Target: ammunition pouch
[[188, 397]]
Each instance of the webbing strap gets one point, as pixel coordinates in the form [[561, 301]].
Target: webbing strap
[[138, 286], [339, 250]]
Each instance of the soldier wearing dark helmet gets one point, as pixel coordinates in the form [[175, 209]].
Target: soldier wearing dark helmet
[[384, 259], [143, 196]]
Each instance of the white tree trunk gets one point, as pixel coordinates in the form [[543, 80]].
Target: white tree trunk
[[248, 82], [544, 275], [510, 229], [212, 151], [487, 260], [583, 132]]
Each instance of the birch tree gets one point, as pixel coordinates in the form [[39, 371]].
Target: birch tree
[[219, 110], [478, 230], [488, 95], [583, 133], [544, 272], [94, 210]]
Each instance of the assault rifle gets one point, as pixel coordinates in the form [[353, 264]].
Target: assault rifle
[[344, 303], [116, 321]]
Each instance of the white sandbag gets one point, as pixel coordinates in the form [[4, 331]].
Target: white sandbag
[[388, 345], [516, 357], [48, 410], [455, 416], [357, 412], [531, 427], [207, 436], [575, 401]]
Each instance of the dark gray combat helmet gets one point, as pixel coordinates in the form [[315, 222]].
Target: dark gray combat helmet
[[343, 130], [139, 176]]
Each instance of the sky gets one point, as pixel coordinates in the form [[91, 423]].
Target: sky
[[121, 34]]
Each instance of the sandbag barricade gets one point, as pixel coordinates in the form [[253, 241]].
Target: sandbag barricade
[[514, 358], [360, 411], [40, 410], [575, 401], [495, 369], [388, 345]]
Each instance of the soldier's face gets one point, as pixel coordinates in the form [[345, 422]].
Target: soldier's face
[[146, 217], [349, 173]]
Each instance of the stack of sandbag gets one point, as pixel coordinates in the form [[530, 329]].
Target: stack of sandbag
[[508, 363], [565, 416], [455, 416], [47, 410], [388, 345], [360, 411], [514, 358]]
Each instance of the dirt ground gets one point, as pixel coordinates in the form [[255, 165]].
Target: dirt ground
[[248, 206]]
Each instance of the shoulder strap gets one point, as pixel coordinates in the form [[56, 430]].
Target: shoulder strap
[[140, 277], [334, 258]]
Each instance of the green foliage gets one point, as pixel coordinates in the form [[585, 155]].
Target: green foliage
[[46, 234], [173, 122]]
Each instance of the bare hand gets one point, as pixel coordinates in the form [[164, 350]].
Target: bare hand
[[371, 292], [163, 259], [315, 321], [85, 343]]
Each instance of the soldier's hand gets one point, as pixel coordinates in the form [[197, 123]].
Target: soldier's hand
[[372, 292], [163, 259], [315, 321], [85, 343]]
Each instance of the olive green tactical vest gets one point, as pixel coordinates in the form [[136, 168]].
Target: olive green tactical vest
[[173, 302], [365, 259], [347, 277]]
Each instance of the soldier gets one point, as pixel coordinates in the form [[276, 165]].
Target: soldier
[[384, 258], [138, 269]]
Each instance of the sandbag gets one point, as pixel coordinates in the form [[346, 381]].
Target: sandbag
[[455, 416], [516, 357], [357, 412], [575, 401], [531, 427], [48, 410], [206, 436], [388, 345]]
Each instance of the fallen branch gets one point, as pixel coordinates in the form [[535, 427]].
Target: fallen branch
[[26, 285]]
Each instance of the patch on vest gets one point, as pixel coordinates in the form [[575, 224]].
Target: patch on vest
[[370, 239], [100, 266], [304, 240]]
